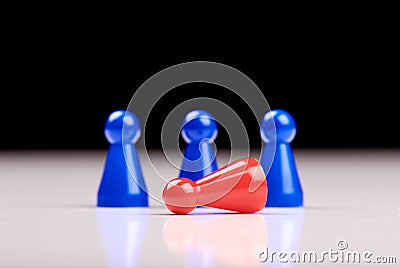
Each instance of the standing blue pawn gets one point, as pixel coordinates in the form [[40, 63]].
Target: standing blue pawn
[[122, 184], [284, 188], [199, 131]]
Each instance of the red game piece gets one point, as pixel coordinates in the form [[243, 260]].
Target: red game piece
[[239, 186]]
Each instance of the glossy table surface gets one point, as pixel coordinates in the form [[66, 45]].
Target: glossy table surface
[[49, 219]]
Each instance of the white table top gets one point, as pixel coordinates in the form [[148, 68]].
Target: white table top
[[49, 219]]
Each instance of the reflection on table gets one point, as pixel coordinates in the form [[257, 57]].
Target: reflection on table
[[122, 232], [207, 238]]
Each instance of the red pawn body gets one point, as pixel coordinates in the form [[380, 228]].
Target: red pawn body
[[239, 186]]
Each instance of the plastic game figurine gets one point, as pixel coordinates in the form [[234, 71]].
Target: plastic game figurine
[[199, 131], [122, 183], [239, 186], [282, 179]]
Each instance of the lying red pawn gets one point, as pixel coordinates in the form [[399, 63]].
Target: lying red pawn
[[239, 186]]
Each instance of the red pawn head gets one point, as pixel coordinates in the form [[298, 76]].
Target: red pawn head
[[180, 195]]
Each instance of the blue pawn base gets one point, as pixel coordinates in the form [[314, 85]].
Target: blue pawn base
[[117, 201], [284, 202]]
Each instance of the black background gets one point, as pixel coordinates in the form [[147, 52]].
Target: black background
[[62, 83]]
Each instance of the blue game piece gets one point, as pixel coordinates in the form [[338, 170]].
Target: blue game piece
[[122, 184], [284, 188], [199, 130]]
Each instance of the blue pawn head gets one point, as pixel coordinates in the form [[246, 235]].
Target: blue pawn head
[[199, 125], [122, 125], [284, 129]]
